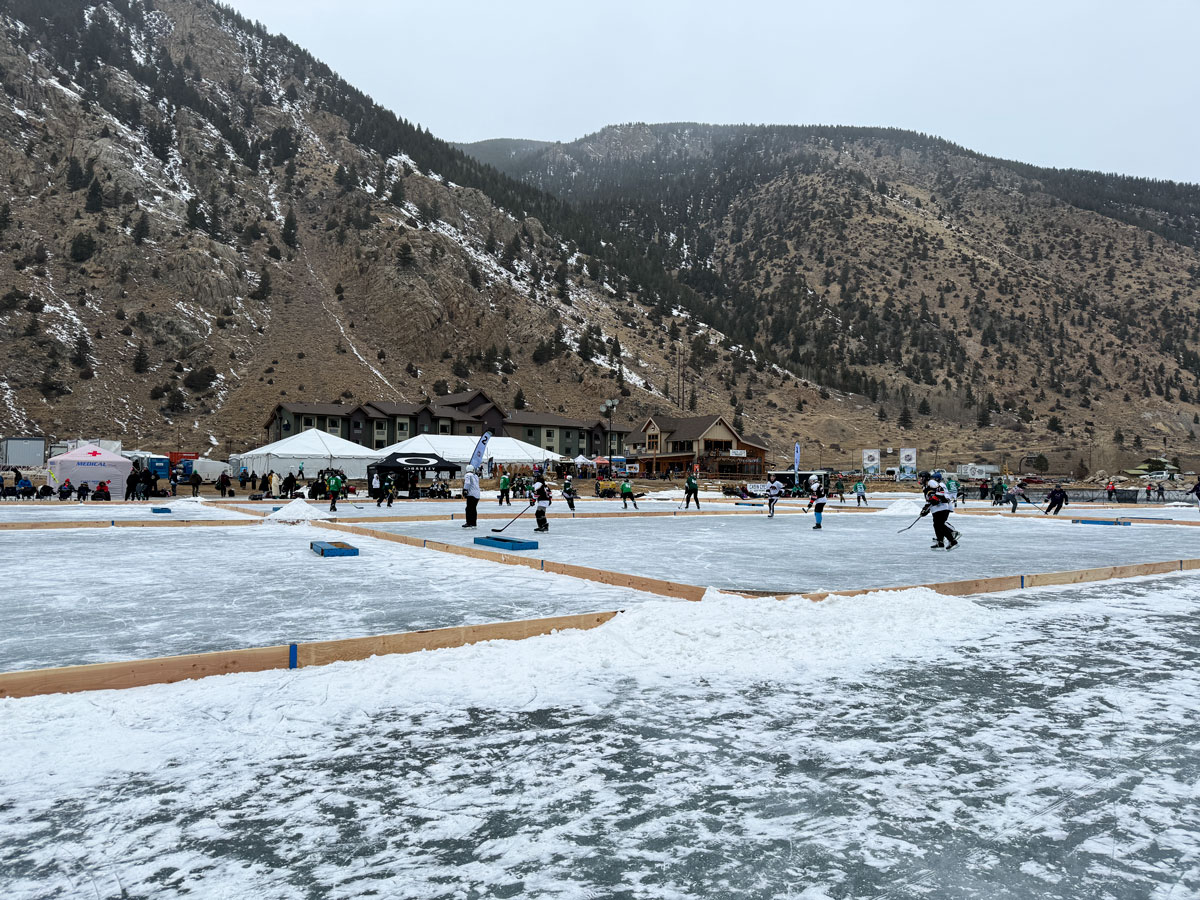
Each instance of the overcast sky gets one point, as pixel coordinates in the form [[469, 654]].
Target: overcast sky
[[1092, 85]]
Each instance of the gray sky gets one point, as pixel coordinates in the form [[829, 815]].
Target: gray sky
[[1091, 85]]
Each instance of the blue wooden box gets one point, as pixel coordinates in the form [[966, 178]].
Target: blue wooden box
[[333, 548], [160, 509], [503, 543]]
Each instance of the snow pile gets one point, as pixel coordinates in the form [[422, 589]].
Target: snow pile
[[297, 511], [908, 508]]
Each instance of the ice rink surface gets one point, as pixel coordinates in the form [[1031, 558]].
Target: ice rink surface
[[853, 550], [85, 595], [1039, 744], [69, 511]]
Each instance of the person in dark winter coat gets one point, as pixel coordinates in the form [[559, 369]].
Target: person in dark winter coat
[[1055, 500], [195, 482], [691, 491]]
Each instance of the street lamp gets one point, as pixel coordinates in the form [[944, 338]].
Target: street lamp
[[609, 407]]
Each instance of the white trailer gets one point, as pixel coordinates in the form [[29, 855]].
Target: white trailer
[[23, 452]]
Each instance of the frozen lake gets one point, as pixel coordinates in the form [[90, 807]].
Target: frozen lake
[[1037, 744], [84, 595], [853, 550]]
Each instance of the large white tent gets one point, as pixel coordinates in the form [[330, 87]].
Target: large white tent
[[90, 463], [316, 449], [458, 448]]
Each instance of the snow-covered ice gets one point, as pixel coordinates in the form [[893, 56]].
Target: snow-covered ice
[[853, 550], [1036, 744], [71, 511], [96, 595]]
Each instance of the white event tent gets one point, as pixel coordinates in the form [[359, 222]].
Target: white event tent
[[316, 449], [458, 448], [90, 463]]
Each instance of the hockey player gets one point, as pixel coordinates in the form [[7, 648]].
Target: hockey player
[[691, 491], [541, 497], [816, 498], [335, 488], [774, 492], [504, 483], [860, 494], [569, 493], [1055, 500], [937, 501], [952, 490], [627, 495]]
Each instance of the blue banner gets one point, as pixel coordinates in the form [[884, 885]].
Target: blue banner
[[796, 459]]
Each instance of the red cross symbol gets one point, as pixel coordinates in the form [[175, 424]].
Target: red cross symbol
[[93, 453]]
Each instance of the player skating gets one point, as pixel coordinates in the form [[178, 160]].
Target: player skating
[[860, 494], [937, 501], [774, 491], [952, 490], [504, 484], [541, 497], [1055, 500], [816, 499], [569, 493], [691, 491], [627, 496]]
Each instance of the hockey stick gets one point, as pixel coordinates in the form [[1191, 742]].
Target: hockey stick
[[914, 522], [1034, 505], [513, 519]]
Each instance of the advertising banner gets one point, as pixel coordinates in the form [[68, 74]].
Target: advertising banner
[[870, 462], [908, 464]]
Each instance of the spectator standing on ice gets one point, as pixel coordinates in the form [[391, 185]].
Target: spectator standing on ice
[[691, 491], [860, 494], [131, 481], [1055, 500], [195, 482], [937, 501], [774, 491], [627, 495], [839, 488], [471, 495], [1159, 493], [505, 500], [983, 489], [1111, 488], [816, 499]]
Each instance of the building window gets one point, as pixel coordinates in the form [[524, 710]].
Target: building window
[[529, 433], [444, 428], [357, 426], [652, 442], [720, 446], [549, 434], [424, 429], [333, 426], [468, 429], [309, 422], [401, 426]]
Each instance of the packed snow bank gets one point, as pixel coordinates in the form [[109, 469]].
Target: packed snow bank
[[677, 494], [298, 511], [909, 508]]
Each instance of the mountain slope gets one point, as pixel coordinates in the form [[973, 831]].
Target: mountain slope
[[915, 272]]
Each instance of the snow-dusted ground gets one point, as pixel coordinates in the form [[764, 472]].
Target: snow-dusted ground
[[853, 550], [95, 595], [54, 511], [1036, 744]]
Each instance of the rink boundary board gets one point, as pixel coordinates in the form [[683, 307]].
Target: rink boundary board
[[171, 669]]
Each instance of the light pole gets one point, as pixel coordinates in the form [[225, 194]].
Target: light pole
[[609, 407]]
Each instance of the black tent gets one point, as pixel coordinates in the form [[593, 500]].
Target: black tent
[[408, 462]]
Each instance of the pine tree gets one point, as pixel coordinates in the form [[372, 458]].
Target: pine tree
[[194, 215], [519, 399], [141, 360], [905, 420], [141, 229], [263, 290], [83, 349], [923, 409], [397, 195], [95, 197], [882, 414], [5, 215], [288, 234], [76, 180], [692, 400], [83, 245], [984, 419]]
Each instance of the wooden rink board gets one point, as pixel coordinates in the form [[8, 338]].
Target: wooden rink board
[[126, 523]]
